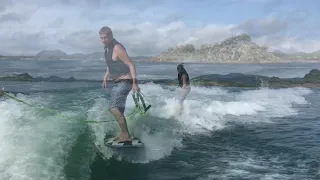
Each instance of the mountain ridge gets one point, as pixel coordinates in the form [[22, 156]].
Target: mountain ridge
[[237, 49]]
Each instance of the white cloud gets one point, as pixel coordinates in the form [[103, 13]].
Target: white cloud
[[292, 44], [28, 27]]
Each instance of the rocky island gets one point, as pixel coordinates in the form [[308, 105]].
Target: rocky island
[[238, 49]]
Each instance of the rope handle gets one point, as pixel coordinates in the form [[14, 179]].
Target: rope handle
[[136, 97]]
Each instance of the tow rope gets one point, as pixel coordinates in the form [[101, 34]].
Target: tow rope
[[136, 97]]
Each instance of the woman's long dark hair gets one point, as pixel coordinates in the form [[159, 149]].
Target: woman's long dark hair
[[181, 69]]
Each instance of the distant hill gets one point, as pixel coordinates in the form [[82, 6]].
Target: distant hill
[[95, 55], [58, 54], [51, 53], [298, 56], [238, 49], [77, 54], [316, 53]]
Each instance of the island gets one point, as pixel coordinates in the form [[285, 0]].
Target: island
[[238, 49]]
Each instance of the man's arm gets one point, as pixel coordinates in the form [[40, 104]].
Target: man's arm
[[106, 76], [122, 54]]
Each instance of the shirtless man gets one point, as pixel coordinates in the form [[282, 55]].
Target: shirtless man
[[123, 72]]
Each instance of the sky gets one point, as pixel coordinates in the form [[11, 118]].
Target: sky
[[148, 27]]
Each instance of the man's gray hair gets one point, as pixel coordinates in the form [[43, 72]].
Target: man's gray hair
[[106, 30]]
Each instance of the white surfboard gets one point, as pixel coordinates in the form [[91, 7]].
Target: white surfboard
[[135, 143]]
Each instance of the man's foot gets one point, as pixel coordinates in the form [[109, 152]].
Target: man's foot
[[119, 140], [124, 137]]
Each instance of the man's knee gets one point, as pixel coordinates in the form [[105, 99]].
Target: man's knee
[[116, 111]]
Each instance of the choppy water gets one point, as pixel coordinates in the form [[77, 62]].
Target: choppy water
[[224, 133]]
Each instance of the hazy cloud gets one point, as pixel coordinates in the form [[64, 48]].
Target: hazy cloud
[[173, 17], [85, 40], [56, 23], [22, 43], [11, 17], [143, 27], [263, 27]]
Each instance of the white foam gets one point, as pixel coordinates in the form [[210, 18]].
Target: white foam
[[210, 109], [277, 103], [205, 110], [156, 144], [256, 166], [33, 146], [212, 91]]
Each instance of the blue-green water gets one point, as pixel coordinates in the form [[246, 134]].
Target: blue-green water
[[224, 133]]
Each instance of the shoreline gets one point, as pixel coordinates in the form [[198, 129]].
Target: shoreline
[[310, 79], [283, 61], [194, 62]]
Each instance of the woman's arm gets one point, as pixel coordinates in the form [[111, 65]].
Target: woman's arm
[[184, 80]]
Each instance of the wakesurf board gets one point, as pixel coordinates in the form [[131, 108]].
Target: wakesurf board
[[112, 142]]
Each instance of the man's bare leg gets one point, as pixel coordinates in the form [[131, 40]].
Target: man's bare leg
[[124, 135]]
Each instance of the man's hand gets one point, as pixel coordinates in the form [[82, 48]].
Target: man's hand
[[135, 87], [104, 84]]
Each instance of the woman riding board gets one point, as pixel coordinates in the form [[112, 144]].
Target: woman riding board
[[184, 83]]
